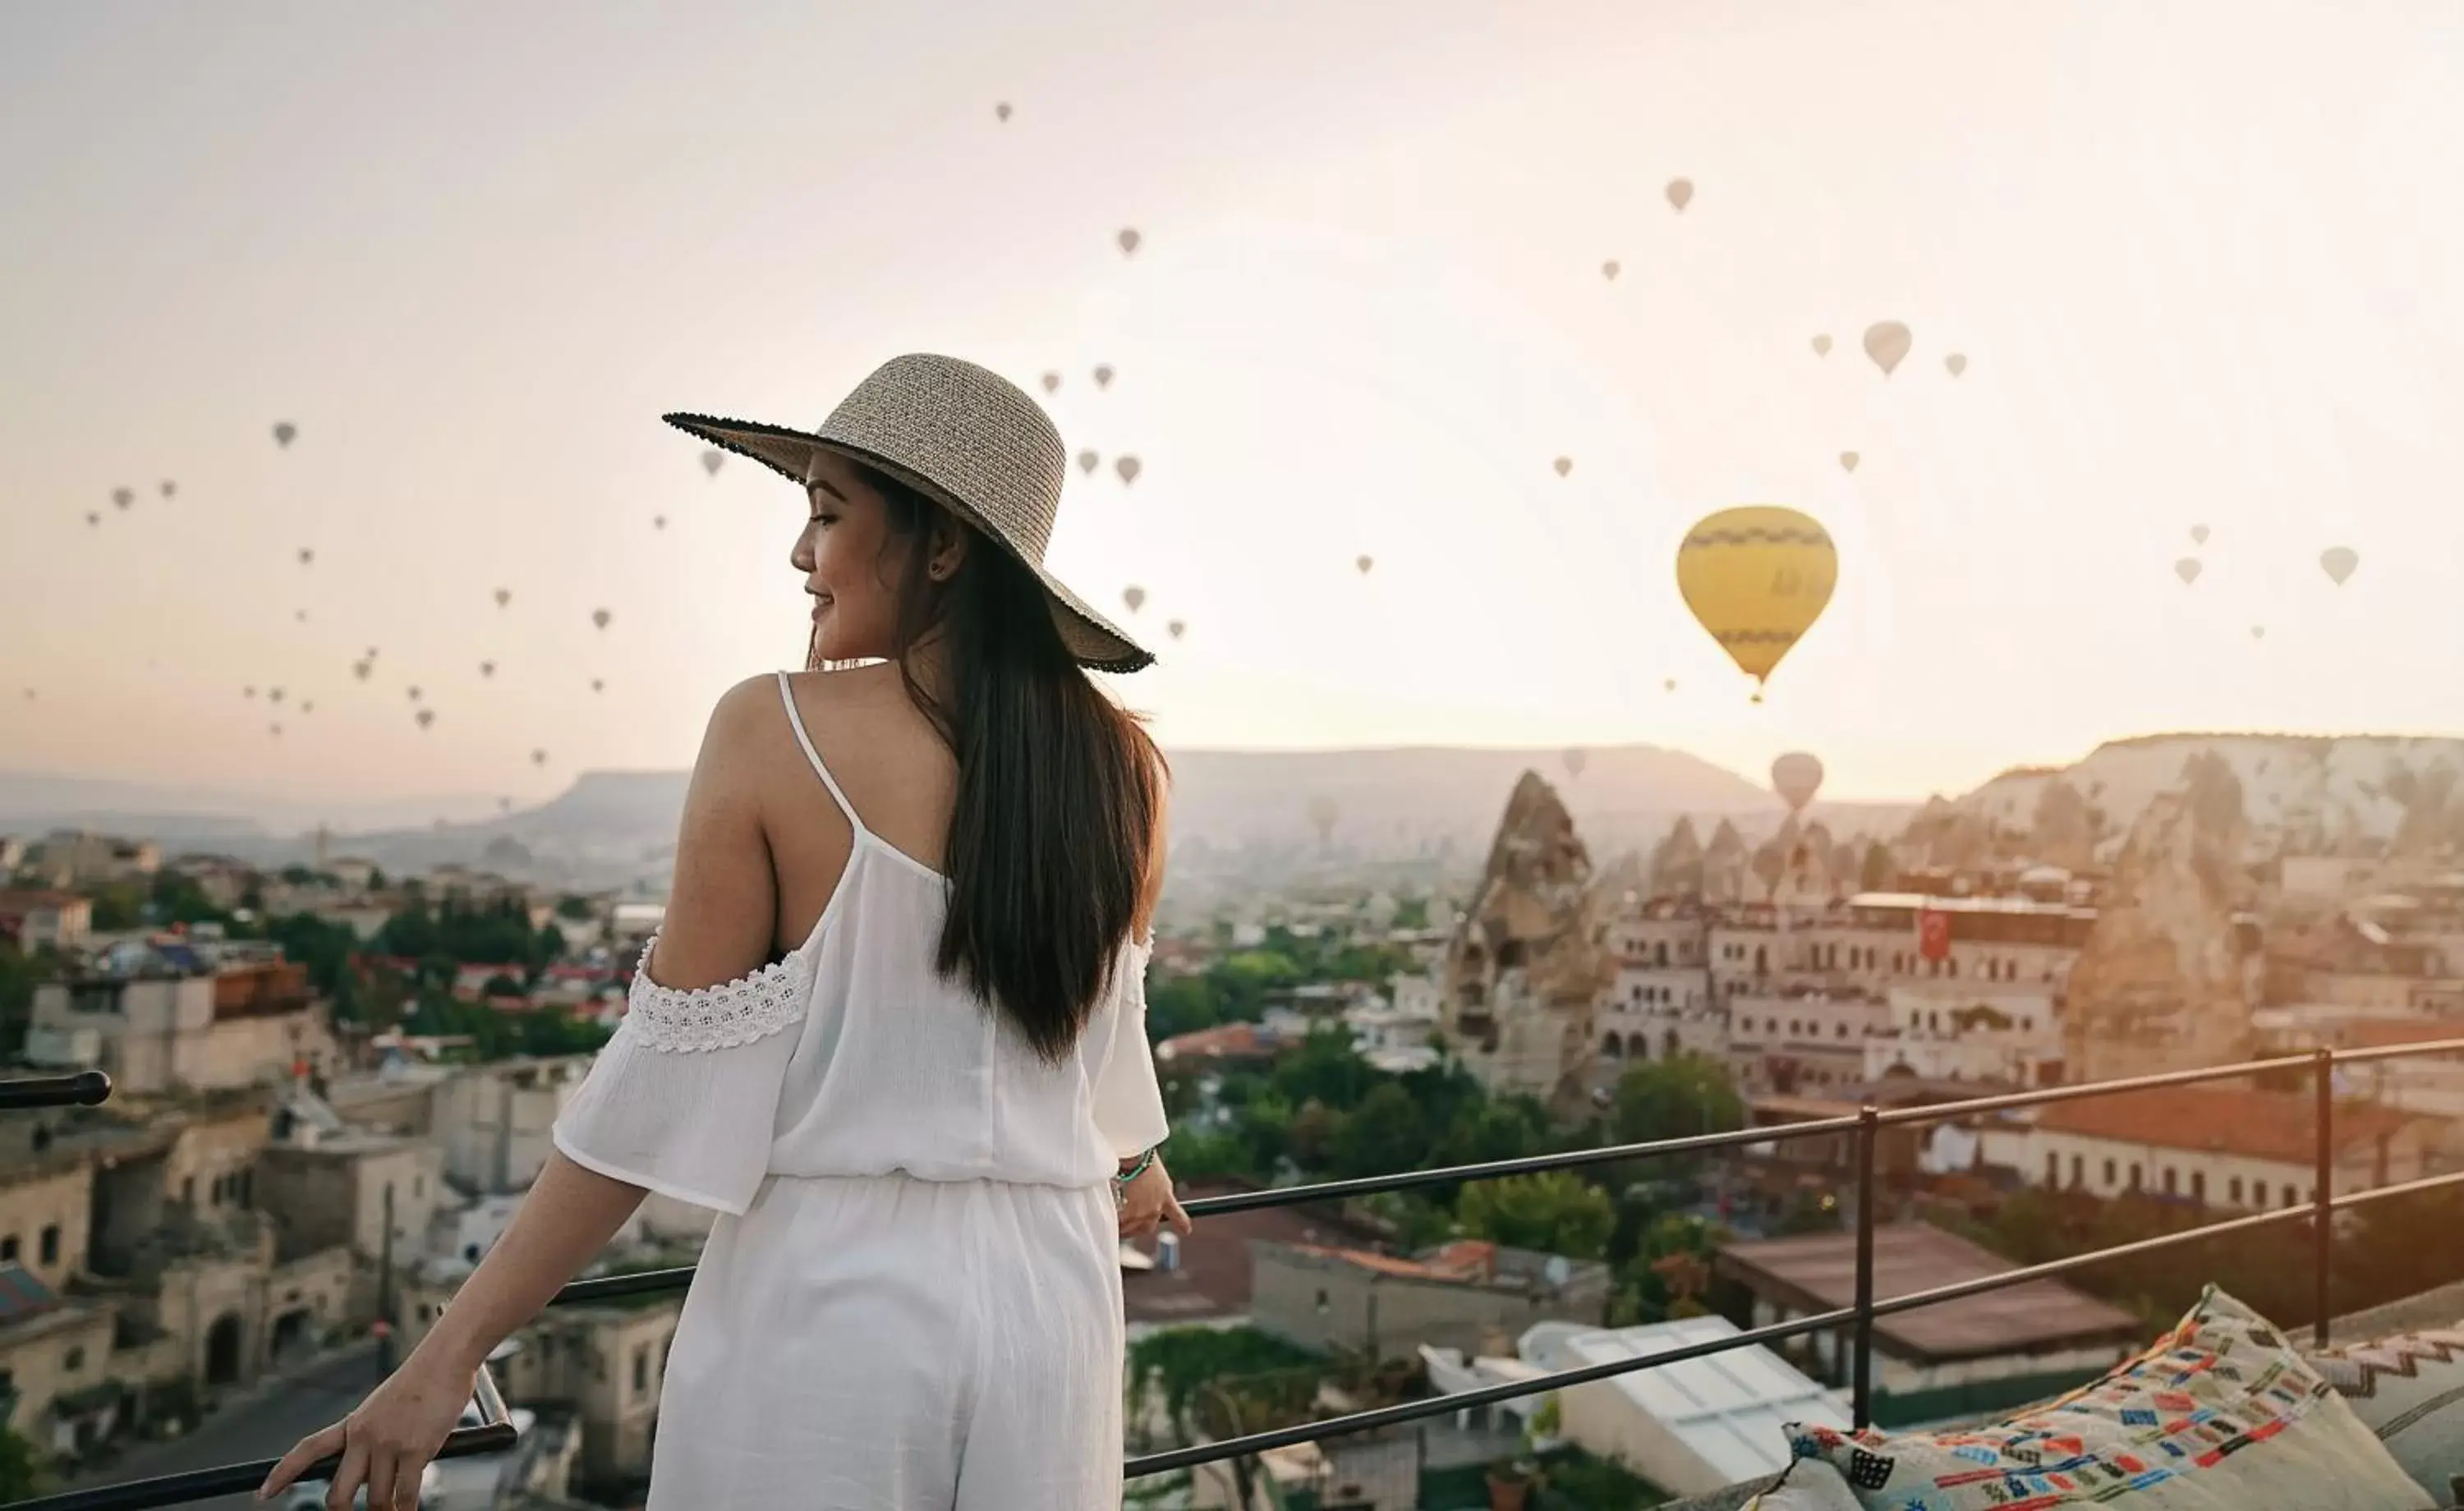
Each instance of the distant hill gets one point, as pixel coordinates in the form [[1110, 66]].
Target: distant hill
[[2304, 794]]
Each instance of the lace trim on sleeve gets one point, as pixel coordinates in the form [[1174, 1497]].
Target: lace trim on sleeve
[[739, 1012]]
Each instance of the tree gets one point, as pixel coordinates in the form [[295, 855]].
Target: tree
[[118, 905], [1875, 874], [1385, 1133], [1676, 1098], [21, 1468], [1554, 1211], [577, 908]]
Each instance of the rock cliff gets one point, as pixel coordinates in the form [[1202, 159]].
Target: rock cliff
[[2164, 980]]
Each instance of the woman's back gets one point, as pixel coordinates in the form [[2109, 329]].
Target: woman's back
[[852, 1055]]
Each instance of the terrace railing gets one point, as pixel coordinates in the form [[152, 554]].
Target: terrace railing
[[495, 1430]]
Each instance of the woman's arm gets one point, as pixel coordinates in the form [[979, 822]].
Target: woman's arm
[[567, 1217]]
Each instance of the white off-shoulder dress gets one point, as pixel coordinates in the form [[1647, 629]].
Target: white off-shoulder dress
[[912, 1297]]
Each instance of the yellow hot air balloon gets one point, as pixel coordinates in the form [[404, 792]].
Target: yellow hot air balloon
[[1757, 578]]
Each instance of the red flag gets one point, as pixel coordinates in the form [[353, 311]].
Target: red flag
[[1933, 934]]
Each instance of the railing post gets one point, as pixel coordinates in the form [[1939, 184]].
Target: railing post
[[2322, 1227], [1862, 1368]]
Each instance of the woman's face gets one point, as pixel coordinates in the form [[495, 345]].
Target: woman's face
[[854, 564]]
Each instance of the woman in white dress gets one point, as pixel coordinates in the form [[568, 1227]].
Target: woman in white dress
[[892, 1029]]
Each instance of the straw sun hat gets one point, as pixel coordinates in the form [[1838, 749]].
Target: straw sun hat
[[966, 438]]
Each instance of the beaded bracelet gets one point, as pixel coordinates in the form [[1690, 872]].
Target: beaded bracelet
[[1139, 1168]]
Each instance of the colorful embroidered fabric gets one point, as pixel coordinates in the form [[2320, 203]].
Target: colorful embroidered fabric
[[2409, 1390], [2219, 1413]]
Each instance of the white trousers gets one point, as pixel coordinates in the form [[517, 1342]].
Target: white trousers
[[894, 1345]]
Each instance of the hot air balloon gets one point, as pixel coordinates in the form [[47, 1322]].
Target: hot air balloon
[[599, 616], [1128, 468], [360, 670], [308, 706], [249, 692], [539, 757], [1756, 578], [275, 730], [2188, 569], [1134, 596], [1051, 383], [93, 518], [283, 433], [1129, 239], [1103, 375], [372, 652], [415, 694], [1848, 461], [504, 806], [1609, 270], [306, 557], [1322, 814], [274, 694], [1000, 112], [659, 521], [1887, 342], [2338, 562], [122, 497], [169, 488], [711, 460], [1669, 685], [1176, 627], [299, 616], [1089, 461], [1574, 760], [2258, 632], [1681, 193], [1822, 346], [597, 686], [487, 668], [426, 718], [2198, 535], [1956, 363], [504, 596], [1796, 777], [1363, 563], [1563, 465]]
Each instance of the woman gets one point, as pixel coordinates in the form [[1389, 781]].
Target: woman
[[892, 1028]]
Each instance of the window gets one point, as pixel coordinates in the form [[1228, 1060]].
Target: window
[[2053, 1169], [188, 1190], [2079, 1171], [9, 1247], [2233, 1191], [2290, 1199], [2199, 1185], [2134, 1175], [642, 1368], [50, 1245], [418, 1187], [2169, 1180], [73, 1361], [2108, 1173]]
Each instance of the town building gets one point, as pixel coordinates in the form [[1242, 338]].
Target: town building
[[1460, 1295]]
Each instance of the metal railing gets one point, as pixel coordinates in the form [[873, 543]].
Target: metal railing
[[1865, 1128]]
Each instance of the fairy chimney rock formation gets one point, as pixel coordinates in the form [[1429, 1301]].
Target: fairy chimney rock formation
[[1677, 862], [1531, 956], [2164, 980]]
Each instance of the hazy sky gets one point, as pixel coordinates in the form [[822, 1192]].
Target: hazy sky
[[2203, 258]]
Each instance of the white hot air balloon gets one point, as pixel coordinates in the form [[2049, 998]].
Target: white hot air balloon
[[360, 670], [2338, 562], [1089, 461], [487, 668], [711, 460], [2188, 569], [1668, 686], [1888, 344], [1128, 240], [2258, 632], [283, 433], [1609, 270], [1000, 112], [1134, 596], [1563, 465], [599, 616], [1362, 564], [249, 692], [2198, 535], [308, 706], [93, 518], [1574, 760], [1848, 461], [1956, 363], [659, 521], [122, 497], [1822, 346], [504, 596], [307, 558], [274, 694], [1796, 777], [1051, 383], [1681, 193], [426, 718], [1322, 814], [539, 757], [1128, 468], [415, 694], [1176, 628], [169, 488], [598, 685], [1103, 375]]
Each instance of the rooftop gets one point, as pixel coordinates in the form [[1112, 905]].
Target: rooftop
[[1730, 1410], [2273, 1125], [1822, 1269], [1214, 1276]]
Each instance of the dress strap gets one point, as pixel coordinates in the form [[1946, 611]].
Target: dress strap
[[796, 722]]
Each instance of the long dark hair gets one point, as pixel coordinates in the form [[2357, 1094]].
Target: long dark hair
[[1059, 786]]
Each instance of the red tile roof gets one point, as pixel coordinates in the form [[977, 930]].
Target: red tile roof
[[1215, 1275], [2271, 1126], [1229, 1040], [27, 902]]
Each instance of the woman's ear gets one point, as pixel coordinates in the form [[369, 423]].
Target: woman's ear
[[947, 547]]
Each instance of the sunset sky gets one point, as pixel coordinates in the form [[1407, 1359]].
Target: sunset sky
[[2203, 258]]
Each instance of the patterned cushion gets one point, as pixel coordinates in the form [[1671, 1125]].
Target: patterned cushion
[[2219, 1413], [2409, 1390], [1810, 1485]]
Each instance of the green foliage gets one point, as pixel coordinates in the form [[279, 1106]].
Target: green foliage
[[118, 905], [21, 1468], [1576, 1480], [1412, 913], [577, 908], [1676, 1098], [178, 899], [494, 932], [1182, 1361], [1875, 874], [1555, 1211], [20, 973], [324, 948], [496, 1035]]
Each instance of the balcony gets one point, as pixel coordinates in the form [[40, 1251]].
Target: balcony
[[1863, 1131]]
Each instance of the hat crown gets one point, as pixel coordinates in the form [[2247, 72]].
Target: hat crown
[[971, 432]]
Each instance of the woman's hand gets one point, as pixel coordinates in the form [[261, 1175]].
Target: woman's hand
[[386, 1444], [1148, 1202]]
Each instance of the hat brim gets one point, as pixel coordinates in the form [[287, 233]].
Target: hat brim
[[1096, 641]]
